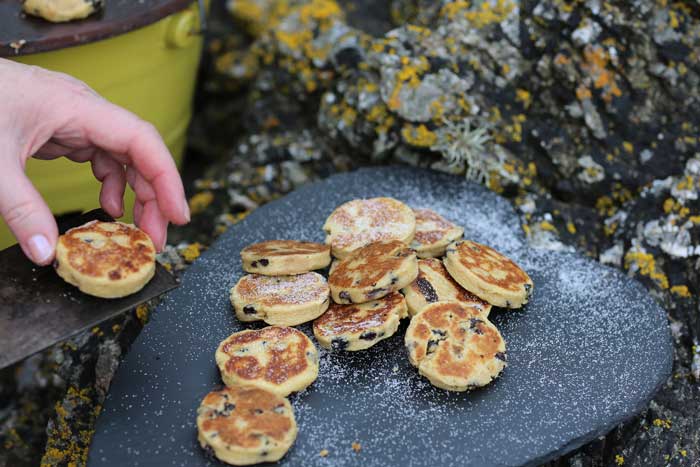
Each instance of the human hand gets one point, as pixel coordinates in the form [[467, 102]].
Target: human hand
[[49, 115]]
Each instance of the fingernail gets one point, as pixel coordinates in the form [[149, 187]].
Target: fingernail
[[186, 209], [39, 249]]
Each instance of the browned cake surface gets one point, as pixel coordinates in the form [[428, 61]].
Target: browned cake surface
[[284, 248], [365, 266], [352, 319], [490, 266], [243, 415], [423, 286], [430, 227], [106, 249], [279, 364], [455, 337], [283, 290], [369, 220]]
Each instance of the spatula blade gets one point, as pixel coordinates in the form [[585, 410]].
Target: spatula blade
[[39, 309]]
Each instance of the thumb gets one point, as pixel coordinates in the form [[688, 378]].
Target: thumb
[[26, 213]]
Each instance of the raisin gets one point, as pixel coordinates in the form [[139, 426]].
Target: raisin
[[228, 407], [431, 346], [501, 356], [439, 332], [374, 293], [344, 296], [115, 275], [339, 344], [254, 264], [249, 310], [528, 290], [474, 325], [426, 288], [368, 336], [264, 262]]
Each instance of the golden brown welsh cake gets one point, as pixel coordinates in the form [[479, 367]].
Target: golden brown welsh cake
[[360, 326], [433, 233], [488, 274], [434, 284], [373, 272], [284, 257], [455, 346], [278, 359], [106, 259], [246, 425], [280, 300], [363, 221]]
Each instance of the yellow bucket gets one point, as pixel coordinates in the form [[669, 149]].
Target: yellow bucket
[[150, 71]]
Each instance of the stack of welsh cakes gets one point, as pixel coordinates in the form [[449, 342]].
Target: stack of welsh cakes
[[391, 262]]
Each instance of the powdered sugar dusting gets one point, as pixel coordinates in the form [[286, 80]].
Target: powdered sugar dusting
[[310, 287], [588, 350]]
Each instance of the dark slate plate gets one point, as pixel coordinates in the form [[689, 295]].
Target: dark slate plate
[[588, 352]]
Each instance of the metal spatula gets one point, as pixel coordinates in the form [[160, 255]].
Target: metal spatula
[[39, 309]]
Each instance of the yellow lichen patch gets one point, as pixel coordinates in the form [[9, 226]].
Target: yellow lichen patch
[[321, 10], [409, 74], [419, 136], [646, 265], [629, 147], [487, 14], [142, 313], [681, 290], [545, 225], [570, 227], [523, 95], [494, 183], [437, 110], [595, 65], [619, 460], [686, 183], [453, 9], [62, 446], [668, 205], [660, 423], [192, 251], [200, 201], [324, 453]]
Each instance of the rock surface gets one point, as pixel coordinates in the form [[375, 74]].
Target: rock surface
[[582, 113]]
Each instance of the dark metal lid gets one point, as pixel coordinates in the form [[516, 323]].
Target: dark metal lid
[[22, 34]]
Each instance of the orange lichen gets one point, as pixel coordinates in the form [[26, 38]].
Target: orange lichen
[[595, 65]]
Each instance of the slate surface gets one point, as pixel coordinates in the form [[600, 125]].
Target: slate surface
[[589, 351]]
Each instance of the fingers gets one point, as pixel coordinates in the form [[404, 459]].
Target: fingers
[[26, 213], [141, 147], [113, 177], [147, 213]]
